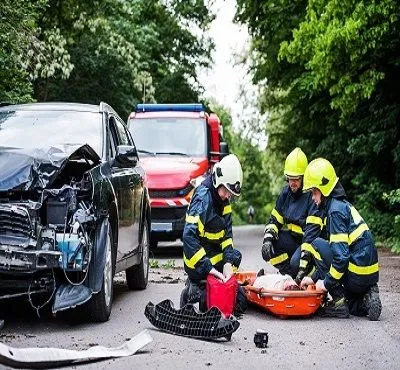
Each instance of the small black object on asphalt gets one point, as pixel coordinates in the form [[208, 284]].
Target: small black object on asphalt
[[261, 338]]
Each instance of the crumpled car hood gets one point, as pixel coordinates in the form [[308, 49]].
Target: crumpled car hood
[[26, 169]]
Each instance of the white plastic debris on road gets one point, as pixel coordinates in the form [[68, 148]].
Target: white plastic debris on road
[[46, 357]]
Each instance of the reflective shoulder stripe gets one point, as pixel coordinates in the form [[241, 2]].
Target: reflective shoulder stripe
[[271, 226], [309, 248], [277, 215], [226, 243], [279, 259], [196, 258], [227, 209], [335, 273], [295, 228], [364, 270], [356, 216], [217, 258], [339, 238], [314, 220], [357, 232], [192, 219]]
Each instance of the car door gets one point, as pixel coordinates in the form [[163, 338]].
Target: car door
[[125, 181]]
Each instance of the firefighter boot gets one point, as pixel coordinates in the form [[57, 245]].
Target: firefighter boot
[[337, 307], [372, 303]]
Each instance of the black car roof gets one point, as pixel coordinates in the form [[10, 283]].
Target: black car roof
[[60, 106]]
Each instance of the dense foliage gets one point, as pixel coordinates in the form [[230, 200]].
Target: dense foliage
[[118, 51], [330, 71]]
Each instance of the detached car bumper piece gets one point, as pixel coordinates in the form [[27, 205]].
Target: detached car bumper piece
[[187, 321]]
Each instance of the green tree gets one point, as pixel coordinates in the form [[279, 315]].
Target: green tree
[[125, 51], [329, 71]]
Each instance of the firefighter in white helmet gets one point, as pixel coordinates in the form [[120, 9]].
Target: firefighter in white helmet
[[294, 223], [207, 235]]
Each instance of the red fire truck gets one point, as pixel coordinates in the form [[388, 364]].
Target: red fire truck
[[178, 144]]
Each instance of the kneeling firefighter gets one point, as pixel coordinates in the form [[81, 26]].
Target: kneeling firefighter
[[348, 261], [207, 236]]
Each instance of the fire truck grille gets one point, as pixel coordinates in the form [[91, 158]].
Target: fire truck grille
[[168, 213], [176, 193]]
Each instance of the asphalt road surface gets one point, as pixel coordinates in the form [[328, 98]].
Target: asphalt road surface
[[301, 343]]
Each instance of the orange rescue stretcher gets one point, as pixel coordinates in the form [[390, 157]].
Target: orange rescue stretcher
[[281, 303]]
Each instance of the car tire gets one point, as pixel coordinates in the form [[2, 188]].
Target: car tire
[[99, 306], [138, 276]]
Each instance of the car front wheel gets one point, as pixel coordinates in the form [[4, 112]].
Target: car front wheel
[[100, 304]]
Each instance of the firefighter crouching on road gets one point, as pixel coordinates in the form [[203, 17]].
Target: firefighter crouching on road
[[303, 220], [348, 262], [207, 235]]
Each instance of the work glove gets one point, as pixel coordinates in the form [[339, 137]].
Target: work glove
[[306, 265], [217, 274], [267, 250], [228, 271]]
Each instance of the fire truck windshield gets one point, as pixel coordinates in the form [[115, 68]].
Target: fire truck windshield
[[170, 136]]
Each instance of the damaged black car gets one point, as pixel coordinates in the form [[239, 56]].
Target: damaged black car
[[74, 207]]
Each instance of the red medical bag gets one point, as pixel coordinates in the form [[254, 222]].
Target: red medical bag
[[221, 295]]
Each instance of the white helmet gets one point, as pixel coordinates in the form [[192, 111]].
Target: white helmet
[[228, 172]]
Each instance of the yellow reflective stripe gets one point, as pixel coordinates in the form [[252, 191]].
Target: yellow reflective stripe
[[271, 226], [312, 271], [217, 258], [227, 209], [339, 238], [309, 248], [279, 259], [191, 262], [295, 228], [335, 273], [314, 220], [364, 270], [200, 226], [192, 219], [226, 242], [214, 236], [278, 217], [357, 232], [208, 235], [303, 264]]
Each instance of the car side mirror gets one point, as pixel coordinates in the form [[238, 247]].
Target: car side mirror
[[223, 149], [126, 156]]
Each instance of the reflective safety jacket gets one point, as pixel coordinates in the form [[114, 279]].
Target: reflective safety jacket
[[300, 215], [351, 242], [207, 235]]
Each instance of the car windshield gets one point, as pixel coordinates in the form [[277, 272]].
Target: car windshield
[[170, 136], [38, 128]]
